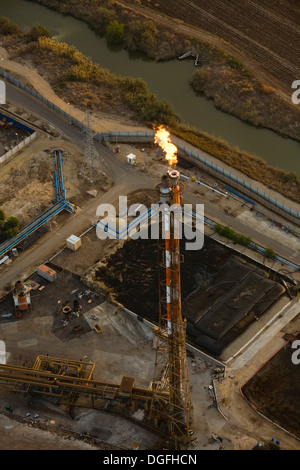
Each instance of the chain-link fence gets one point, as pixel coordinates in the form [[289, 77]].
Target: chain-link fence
[[139, 136]]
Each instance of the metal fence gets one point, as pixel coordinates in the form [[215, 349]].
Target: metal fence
[[236, 179], [148, 136], [6, 156], [233, 178], [37, 95]]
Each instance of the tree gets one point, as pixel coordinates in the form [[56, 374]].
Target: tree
[[141, 36], [11, 223], [8, 227], [290, 177], [102, 20], [38, 31], [114, 33]]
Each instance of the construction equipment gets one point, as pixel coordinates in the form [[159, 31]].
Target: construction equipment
[[97, 328]]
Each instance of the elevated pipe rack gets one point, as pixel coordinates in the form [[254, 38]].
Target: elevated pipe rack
[[61, 204]]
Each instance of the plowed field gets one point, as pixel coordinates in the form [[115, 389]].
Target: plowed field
[[267, 33]]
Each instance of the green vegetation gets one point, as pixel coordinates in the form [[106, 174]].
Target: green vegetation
[[81, 82], [146, 104], [221, 77], [8, 27], [283, 182], [114, 33], [230, 234], [240, 239], [236, 91], [269, 253], [141, 36], [37, 31], [102, 18], [98, 87], [8, 227]]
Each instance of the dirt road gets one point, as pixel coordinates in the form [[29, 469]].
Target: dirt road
[[249, 30]]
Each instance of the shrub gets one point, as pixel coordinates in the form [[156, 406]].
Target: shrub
[[200, 77], [103, 18], [8, 27], [234, 63], [250, 165], [114, 33], [229, 233], [150, 109], [11, 223], [9, 227], [141, 36], [38, 31], [290, 178], [269, 253]]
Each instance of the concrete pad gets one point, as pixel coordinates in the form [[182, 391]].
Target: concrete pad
[[113, 318], [27, 343], [8, 329], [113, 366], [43, 325], [285, 238], [270, 331]]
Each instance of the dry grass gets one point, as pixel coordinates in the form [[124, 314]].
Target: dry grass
[[79, 81], [233, 88], [283, 182], [236, 91]]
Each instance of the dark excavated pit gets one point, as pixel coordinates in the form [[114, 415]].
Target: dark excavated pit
[[222, 293], [274, 391]]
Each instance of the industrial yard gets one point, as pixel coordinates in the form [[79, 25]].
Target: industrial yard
[[46, 329], [116, 343], [94, 302]]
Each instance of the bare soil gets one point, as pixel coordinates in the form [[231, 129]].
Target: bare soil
[[27, 184], [274, 390], [221, 294], [264, 32]]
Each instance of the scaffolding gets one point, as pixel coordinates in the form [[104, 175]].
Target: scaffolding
[[71, 382]]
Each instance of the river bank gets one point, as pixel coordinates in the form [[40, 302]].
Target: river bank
[[168, 80], [222, 77], [79, 82]]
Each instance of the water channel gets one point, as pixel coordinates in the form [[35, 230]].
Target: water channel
[[168, 80]]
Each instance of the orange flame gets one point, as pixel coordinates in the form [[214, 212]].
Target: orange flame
[[162, 138]]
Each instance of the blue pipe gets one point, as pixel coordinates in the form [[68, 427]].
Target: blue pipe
[[61, 175], [34, 228], [239, 195], [56, 185]]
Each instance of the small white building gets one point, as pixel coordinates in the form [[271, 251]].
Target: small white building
[[131, 158], [73, 242]]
